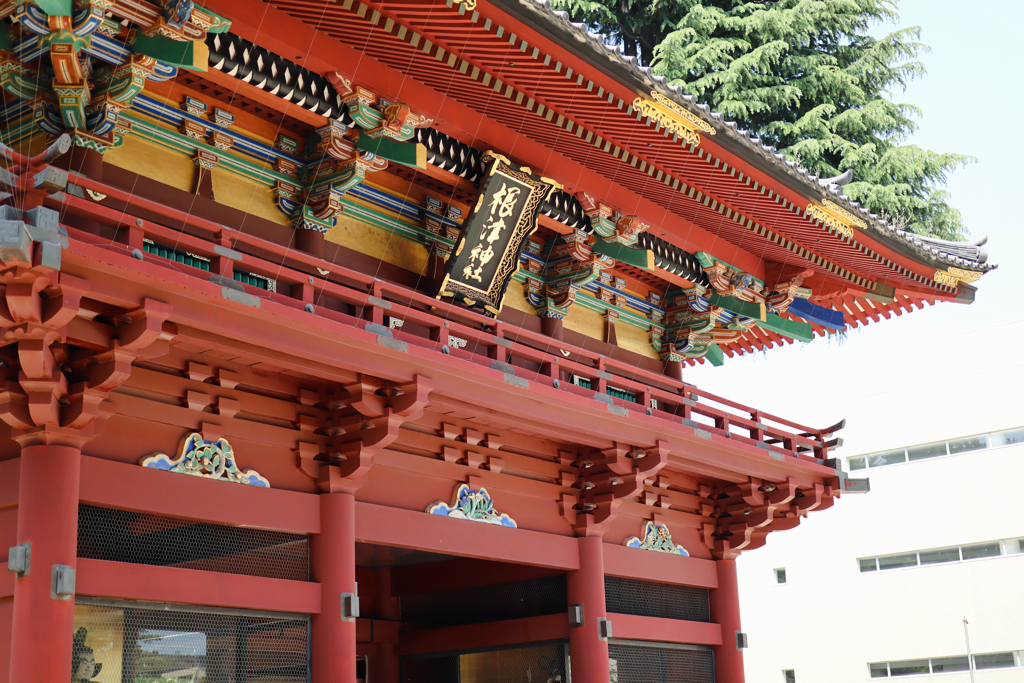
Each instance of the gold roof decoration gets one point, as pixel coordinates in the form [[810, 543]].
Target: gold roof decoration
[[673, 117], [952, 277], [834, 216]]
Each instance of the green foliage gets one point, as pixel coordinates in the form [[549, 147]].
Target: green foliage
[[806, 77]]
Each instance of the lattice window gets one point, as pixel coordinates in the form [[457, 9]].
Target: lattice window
[[643, 662], [157, 643], [138, 538], [175, 255], [649, 599]]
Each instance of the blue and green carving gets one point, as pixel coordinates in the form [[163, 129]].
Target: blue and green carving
[[476, 506], [658, 538], [208, 459]]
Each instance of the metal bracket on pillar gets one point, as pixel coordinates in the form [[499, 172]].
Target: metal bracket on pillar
[[62, 584], [741, 640], [576, 615], [349, 606], [604, 628], [19, 559]]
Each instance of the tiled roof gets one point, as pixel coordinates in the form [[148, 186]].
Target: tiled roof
[[951, 253]]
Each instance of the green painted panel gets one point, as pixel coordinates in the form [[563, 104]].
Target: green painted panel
[[633, 256], [55, 8], [405, 153], [788, 328], [192, 55], [715, 355]]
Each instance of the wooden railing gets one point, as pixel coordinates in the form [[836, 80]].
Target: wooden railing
[[354, 298]]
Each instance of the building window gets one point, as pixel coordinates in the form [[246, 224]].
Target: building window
[[939, 665], [780, 575], [955, 553], [1006, 437], [788, 676], [999, 660], [138, 641]]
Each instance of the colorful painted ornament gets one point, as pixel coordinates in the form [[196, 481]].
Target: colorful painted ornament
[[476, 506], [656, 537], [209, 459]]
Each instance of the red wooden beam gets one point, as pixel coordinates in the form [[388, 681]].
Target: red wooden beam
[[129, 487], [660, 567], [491, 634], [103, 579], [415, 529], [461, 573], [631, 627]]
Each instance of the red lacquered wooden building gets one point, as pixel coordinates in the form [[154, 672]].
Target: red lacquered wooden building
[[346, 341]]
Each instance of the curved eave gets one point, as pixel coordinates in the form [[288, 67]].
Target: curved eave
[[555, 26]]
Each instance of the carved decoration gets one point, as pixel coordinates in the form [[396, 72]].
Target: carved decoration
[[658, 538], [476, 506], [84, 666], [729, 281], [785, 293], [952, 277], [573, 265], [832, 215], [98, 65], [208, 459], [607, 478], [362, 419], [673, 117]]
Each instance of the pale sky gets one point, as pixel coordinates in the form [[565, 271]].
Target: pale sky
[[971, 99]]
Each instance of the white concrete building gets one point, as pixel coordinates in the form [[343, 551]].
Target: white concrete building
[[879, 585]]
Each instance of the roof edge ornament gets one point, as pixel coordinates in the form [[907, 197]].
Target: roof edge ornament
[[952, 277], [672, 117], [841, 179], [832, 215]]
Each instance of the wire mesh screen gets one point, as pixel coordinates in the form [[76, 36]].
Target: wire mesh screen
[[545, 663], [649, 599], [636, 662], [480, 604], [130, 643], [138, 538]]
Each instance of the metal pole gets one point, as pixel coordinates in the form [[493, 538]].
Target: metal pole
[[970, 658]]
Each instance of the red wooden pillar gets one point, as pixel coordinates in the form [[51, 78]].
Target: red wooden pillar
[[384, 666], [334, 567], [42, 626], [587, 652], [725, 610]]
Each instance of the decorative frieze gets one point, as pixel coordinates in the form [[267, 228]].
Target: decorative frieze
[[208, 459], [658, 538], [476, 506]]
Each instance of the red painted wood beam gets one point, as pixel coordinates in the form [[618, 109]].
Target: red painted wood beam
[[103, 579], [129, 487], [491, 634], [415, 529], [461, 573], [632, 627], [660, 567], [281, 332]]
